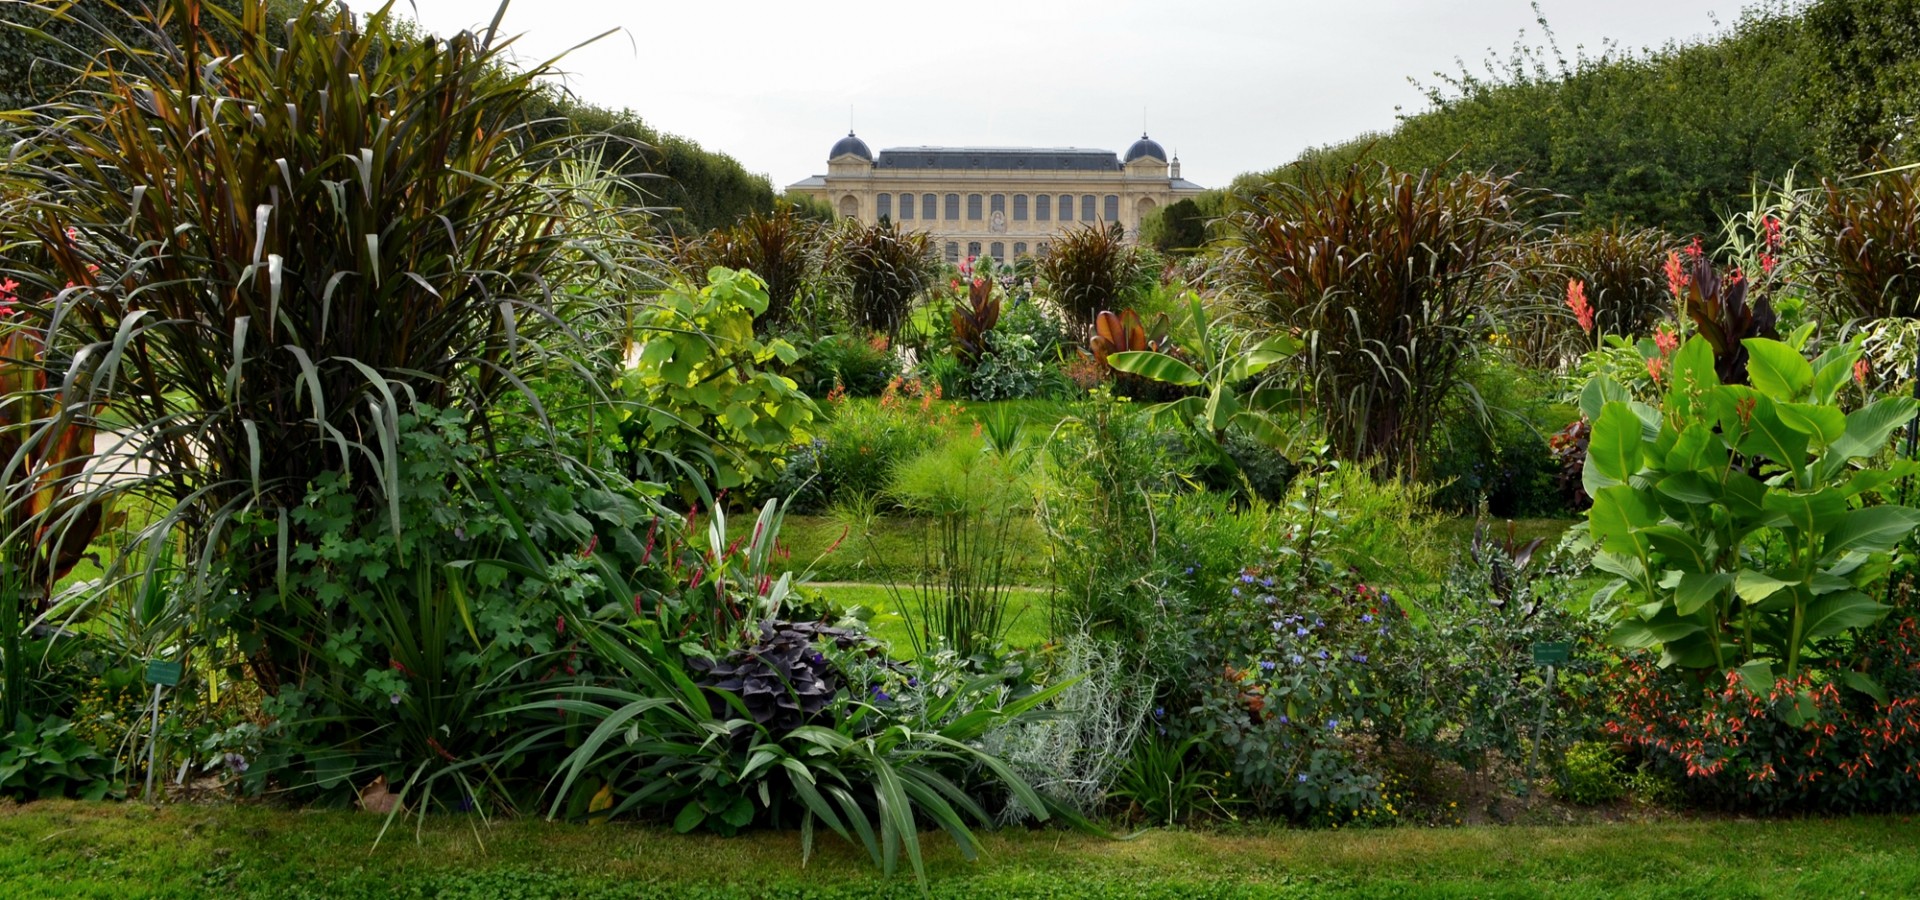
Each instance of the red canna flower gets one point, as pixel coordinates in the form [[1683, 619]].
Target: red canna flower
[[1861, 369], [1666, 339], [1577, 301]]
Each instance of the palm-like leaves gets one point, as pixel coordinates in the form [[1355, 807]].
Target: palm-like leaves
[[1865, 243], [1090, 269], [1386, 275], [269, 250], [881, 269]]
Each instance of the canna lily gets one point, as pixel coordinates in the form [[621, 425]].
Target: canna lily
[[1577, 301]]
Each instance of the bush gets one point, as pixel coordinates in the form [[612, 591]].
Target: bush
[[859, 368], [1012, 369], [1462, 684], [864, 442], [1590, 774], [879, 270], [1387, 276], [1088, 269], [1491, 454], [702, 389], [1863, 238], [781, 247], [1620, 270]]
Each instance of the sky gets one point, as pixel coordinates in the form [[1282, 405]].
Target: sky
[[1229, 85]]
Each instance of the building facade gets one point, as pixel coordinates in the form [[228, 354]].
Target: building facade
[[1003, 202]]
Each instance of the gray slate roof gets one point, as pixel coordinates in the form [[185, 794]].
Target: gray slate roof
[[1033, 159]]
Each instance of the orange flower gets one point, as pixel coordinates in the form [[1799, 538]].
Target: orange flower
[[1577, 301]]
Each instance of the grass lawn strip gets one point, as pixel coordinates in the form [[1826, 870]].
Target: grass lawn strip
[[72, 849]]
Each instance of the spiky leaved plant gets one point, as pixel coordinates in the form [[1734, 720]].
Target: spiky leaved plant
[[781, 247], [1619, 267], [1089, 269], [880, 269], [1387, 275], [1863, 240], [258, 255]]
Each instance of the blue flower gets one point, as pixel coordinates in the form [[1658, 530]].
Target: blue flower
[[1246, 578], [1159, 712], [1323, 654], [1268, 581], [880, 695], [1236, 592], [1332, 724], [1368, 618], [1303, 778], [1296, 659], [1284, 720], [1189, 570], [1277, 626], [1359, 657], [1267, 664], [1301, 631]]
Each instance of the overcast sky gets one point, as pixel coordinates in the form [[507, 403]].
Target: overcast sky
[[1230, 85]]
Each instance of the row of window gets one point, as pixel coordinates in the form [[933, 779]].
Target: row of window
[[997, 250], [928, 207]]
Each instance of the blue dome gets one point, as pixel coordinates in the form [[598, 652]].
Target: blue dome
[[853, 145], [1145, 147]]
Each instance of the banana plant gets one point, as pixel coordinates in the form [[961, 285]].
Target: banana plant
[[1744, 522], [1222, 400]]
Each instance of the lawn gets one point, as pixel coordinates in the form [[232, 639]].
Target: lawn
[[72, 849], [1027, 610]]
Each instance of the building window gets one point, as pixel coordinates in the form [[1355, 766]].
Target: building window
[[973, 207], [929, 206], [906, 206], [1088, 212], [953, 207], [953, 253], [999, 251], [999, 204], [1040, 249], [1066, 207], [1019, 207], [1043, 207], [1019, 248], [1113, 207], [973, 249], [883, 207]]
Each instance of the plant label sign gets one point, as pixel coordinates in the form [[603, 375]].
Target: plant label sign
[[162, 672], [1552, 653]]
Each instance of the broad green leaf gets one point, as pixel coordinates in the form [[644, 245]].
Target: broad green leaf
[[1861, 682], [1692, 374], [1824, 424], [1697, 589], [1679, 546], [1869, 427], [1156, 366], [1873, 529], [1777, 370], [1754, 586], [1618, 515], [1614, 446], [1689, 486], [1692, 447], [1840, 613], [1758, 674], [1597, 393], [1811, 513], [1832, 370], [1770, 437]]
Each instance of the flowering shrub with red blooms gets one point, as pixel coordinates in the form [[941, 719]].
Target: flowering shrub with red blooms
[[1734, 747]]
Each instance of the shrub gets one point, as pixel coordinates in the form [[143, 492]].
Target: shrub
[[781, 247], [701, 387], [859, 368], [1013, 369], [1717, 567], [280, 342], [1074, 756], [879, 270], [1863, 240], [1462, 684], [1088, 269], [1386, 275], [1590, 774], [1491, 453], [864, 442], [1620, 269]]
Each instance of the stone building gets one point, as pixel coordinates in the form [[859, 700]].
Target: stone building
[[1003, 202]]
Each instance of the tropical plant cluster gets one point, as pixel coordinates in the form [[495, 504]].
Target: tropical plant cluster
[[366, 440]]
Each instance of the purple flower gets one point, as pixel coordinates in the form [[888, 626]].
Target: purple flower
[[1189, 570], [1303, 778], [1284, 720], [1266, 665], [879, 695], [1359, 657], [1368, 618], [1236, 592], [395, 698], [1323, 654], [1296, 659], [1159, 712], [1332, 724], [1246, 578], [1301, 631]]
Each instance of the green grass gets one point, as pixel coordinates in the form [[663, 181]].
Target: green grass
[[68, 849], [893, 550], [1027, 610]]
